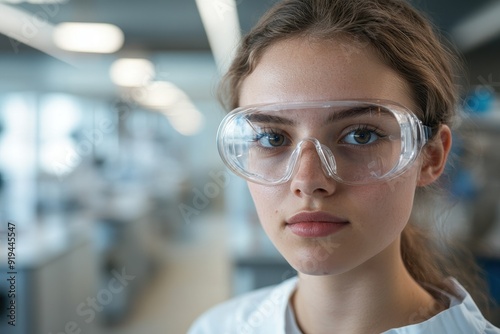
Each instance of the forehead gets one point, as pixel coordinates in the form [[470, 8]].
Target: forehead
[[303, 69], [321, 113], [319, 118]]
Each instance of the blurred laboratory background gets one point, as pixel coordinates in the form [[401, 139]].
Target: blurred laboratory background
[[125, 219]]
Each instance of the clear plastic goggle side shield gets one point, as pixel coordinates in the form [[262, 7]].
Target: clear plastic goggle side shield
[[357, 142]]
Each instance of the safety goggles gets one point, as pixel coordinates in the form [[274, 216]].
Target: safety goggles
[[358, 142]]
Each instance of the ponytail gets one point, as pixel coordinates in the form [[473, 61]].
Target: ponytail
[[431, 263]]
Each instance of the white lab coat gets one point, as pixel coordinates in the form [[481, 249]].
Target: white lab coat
[[267, 310]]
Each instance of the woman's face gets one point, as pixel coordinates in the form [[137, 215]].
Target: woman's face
[[369, 218]]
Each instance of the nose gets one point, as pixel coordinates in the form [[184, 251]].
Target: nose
[[310, 177]]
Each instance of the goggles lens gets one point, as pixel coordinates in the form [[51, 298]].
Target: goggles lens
[[357, 142]]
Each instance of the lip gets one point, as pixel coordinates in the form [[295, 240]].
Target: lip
[[315, 224]]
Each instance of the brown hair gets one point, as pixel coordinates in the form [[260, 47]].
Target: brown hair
[[386, 25], [405, 40]]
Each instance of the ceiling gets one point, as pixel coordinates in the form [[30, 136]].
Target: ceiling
[[175, 25]]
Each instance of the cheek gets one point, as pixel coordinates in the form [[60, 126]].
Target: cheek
[[270, 204], [386, 208], [267, 201]]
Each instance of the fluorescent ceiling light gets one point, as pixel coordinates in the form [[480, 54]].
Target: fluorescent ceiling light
[[21, 26], [186, 119], [173, 103], [132, 72], [38, 2], [88, 37], [478, 28], [159, 95], [220, 19]]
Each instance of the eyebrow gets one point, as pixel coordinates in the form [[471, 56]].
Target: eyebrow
[[332, 118], [356, 112], [262, 118]]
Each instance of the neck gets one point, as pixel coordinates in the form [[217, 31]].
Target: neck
[[378, 295]]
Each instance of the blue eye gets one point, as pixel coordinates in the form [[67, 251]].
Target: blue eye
[[270, 139], [361, 136]]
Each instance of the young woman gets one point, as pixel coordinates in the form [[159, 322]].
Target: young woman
[[341, 120]]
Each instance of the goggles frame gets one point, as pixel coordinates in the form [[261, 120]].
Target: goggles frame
[[414, 135]]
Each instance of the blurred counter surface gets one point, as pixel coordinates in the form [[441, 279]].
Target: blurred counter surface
[[53, 272], [40, 245], [66, 259]]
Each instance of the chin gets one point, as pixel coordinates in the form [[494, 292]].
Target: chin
[[320, 271], [317, 266]]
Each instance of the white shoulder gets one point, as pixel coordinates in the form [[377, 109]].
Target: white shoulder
[[247, 313], [461, 317]]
